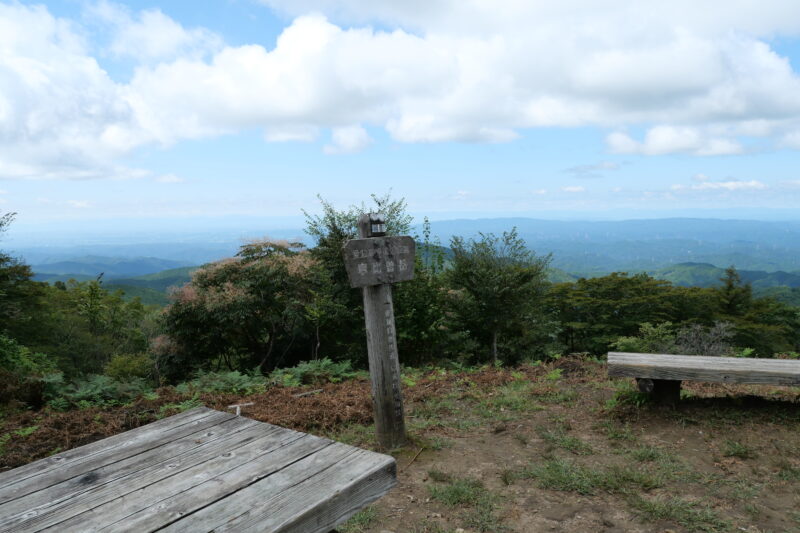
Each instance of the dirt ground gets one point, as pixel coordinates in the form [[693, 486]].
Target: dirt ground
[[555, 447]]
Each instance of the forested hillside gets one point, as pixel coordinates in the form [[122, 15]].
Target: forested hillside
[[276, 303]]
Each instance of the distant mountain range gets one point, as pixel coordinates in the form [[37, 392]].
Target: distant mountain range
[[707, 275], [682, 250], [147, 278], [92, 266], [594, 248]]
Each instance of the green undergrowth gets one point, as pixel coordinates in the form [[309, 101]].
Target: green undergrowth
[[478, 503], [691, 515], [569, 476]]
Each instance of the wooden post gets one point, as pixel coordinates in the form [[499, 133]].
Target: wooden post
[[374, 262], [384, 366], [663, 391]]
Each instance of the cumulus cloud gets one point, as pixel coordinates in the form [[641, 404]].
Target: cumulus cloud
[[699, 80], [662, 140], [79, 204], [150, 34], [348, 140]]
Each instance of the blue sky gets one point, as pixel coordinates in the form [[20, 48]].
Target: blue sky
[[167, 112]]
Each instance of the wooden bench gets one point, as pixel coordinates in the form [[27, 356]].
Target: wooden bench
[[661, 374], [201, 470]]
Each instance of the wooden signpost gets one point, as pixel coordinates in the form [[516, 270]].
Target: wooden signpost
[[374, 262]]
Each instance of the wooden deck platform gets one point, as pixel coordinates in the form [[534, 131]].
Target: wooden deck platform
[[201, 470]]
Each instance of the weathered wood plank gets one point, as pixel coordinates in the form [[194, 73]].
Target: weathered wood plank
[[701, 368], [63, 458], [144, 509], [233, 474], [321, 502], [82, 464], [128, 471], [256, 502]]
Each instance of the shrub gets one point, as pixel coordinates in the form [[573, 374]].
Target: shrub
[[658, 338], [97, 390], [127, 366], [23, 373], [233, 382], [313, 373]]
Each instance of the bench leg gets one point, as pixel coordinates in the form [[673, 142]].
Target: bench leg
[[664, 391]]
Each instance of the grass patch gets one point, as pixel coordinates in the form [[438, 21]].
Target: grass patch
[[557, 438], [439, 476], [788, 472], [355, 435], [732, 448], [688, 514], [561, 475], [360, 521], [173, 408], [626, 394], [26, 431], [617, 432], [458, 492], [470, 494], [514, 397], [508, 477], [650, 454]]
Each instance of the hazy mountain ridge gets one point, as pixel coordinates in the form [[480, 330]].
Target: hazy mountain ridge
[[684, 251], [93, 266], [708, 275]]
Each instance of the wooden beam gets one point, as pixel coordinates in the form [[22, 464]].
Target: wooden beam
[[703, 368], [384, 360]]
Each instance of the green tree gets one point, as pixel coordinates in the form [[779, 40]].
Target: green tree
[[344, 335], [499, 286], [595, 312], [243, 312], [19, 295]]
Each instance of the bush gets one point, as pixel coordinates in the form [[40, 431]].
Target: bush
[[233, 382], [658, 338], [23, 373], [97, 390], [313, 373], [127, 366]]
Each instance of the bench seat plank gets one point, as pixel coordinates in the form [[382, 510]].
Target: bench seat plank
[[703, 368], [198, 471]]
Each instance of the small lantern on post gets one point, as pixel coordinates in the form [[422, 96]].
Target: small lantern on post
[[373, 262], [377, 225]]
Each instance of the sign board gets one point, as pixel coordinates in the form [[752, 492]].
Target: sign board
[[379, 260]]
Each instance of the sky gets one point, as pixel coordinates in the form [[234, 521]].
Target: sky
[[121, 114]]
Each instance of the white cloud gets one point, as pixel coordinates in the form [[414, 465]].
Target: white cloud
[[540, 191], [348, 140], [79, 204], [698, 79], [700, 177], [460, 195], [729, 185], [665, 139], [151, 35], [573, 189]]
